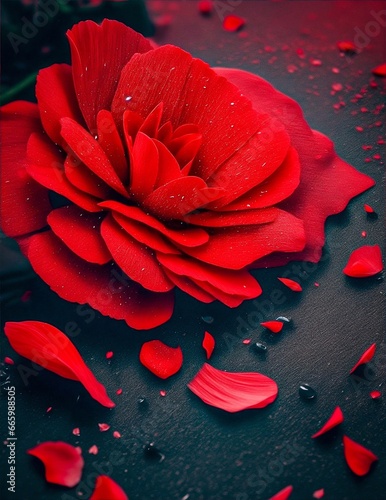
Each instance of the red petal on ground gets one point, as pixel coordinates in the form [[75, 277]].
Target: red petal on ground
[[98, 54], [24, 203], [375, 394], [347, 46], [233, 392], [105, 288], [208, 344], [63, 463], [103, 427], [364, 262], [291, 284], [327, 183], [161, 359], [318, 493], [80, 231], [368, 209], [56, 99], [379, 70], [205, 6], [273, 326], [8, 360], [233, 23], [365, 358], [335, 419], [283, 494], [137, 261], [358, 458], [47, 346], [106, 488]]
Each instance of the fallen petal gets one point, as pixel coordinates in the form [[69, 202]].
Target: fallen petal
[[233, 392], [365, 261], [358, 458], [233, 23], [208, 344], [379, 70], [347, 46], [375, 394], [103, 427], [365, 358], [318, 493], [283, 494], [335, 419], [161, 359], [63, 462], [105, 488], [273, 326], [291, 284]]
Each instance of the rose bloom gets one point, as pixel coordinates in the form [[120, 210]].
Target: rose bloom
[[142, 169]]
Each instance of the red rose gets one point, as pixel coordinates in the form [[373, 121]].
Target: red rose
[[168, 173]]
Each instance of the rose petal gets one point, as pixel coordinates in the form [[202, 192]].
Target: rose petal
[[283, 494], [291, 284], [364, 262], [379, 70], [375, 394], [49, 347], [63, 463], [347, 46], [365, 358], [106, 488], [335, 419], [233, 23], [273, 326], [318, 493], [233, 392], [161, 359], [358, 458], [208, 344]]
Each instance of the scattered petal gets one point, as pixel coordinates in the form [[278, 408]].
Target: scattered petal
[[119, 391], [208, 344], [368, 209], [49, 409], [8, 360], [233, 392], [116, 434], [47, 346], [233, 23], [375, 394], [76, 431], [318, 493], [358, 458], [205, 7], [335, 419], [63, 462], [161, 359], [364, 262], [103, 427], [283, 494], [247, 341], [291, 284], [105, 488], [379, 70], [273, 326], [109, 354], [162, 393], [93, 450], [347, 47], [365, 358]]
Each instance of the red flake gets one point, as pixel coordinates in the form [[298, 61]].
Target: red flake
[[109, 354], [119, 391], [335, 70], [367, 147], [375, 394], [358, 458], [76, 431], [378, 123], [316, 62], [162, 393], [233, 392], [367, 160], [347, 47], [269, 49], [247, 341], [368, 209], [363, 234], [364, 110], [380, 142], [335, 419], [364, 262], [205, 7], [291, 284], [318, 493], [283, 494], [208, 344], [291, 68], [26, 296], [300, 53], [377, 156], [8, 360], [116, 434], [316, 284], [379, 70], [93, 450], [49, 409], [233, 23], [336, 106], [161, 359], [103, 427], [337, 87], [105, 488], [47, 346], [373, 84], [63, 462], [365, 358], [273, 326], [359, 129]]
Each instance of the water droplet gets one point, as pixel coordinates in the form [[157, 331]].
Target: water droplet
[[284, 319], [128, 98], [306, 392], [259, 347], [152, 452], [207, 319], [142, 402]]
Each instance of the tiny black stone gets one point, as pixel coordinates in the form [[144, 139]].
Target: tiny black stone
[[306, 392]]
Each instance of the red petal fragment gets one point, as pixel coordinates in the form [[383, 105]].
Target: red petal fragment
[[103, 427], [162, 393], [291, 284], [318, 493], [93, 450], [358, 458], [347, 46], [109, 354], [8, 360], [365, 358], [63, 463], [49, 347], [233, 392], [283, 494], [273, 326], [379, 70], [335, 419], [76, 431], [106, 488], [161, 359], [364, 262], [205, 6], [368, 209], [119, 391], [233, 23], [375, 394], [117, 434], [208, 344]]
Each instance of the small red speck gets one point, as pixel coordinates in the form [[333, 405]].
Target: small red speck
[[359, 96], [364, 110], [377, 156], [26, 296], [291, 68], [379, 70], [359, 129], [273, 326], [363, 234], [116, 434], [76, 431], [205, 7], [109, 354], [233, 23], [367, 147], [318, 493], [347, 46], [368, 209], [119, 391], [378, 123], [46, 49], [337, 87], [335, 70], [93, 450], [300, 53], [269, 48], [162, 393], [336, 106], [103, 427], [316, 284], [49, 409], [373, 84], [8, 360], [375, 394], [367, 160], [247, 341], [380, 142], [316, 62]]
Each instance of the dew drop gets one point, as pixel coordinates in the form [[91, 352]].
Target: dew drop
[[151, 451], [128, 98], [284, 319], [142, 402], [207, 319], [259, 347], [306, 392]]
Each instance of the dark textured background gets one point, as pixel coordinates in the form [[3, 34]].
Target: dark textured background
[[253, 454]]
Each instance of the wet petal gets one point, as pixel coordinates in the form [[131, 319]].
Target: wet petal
[[291, 284]]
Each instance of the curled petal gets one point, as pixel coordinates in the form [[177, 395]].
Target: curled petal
[[283, 494], [358, 458], [233, 392], [49, 347], [208, 344], [365, 358], [106, 488], [335, 419], [365, 261], [161, 359], [63, 462], [273, 326], [291, 284]]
